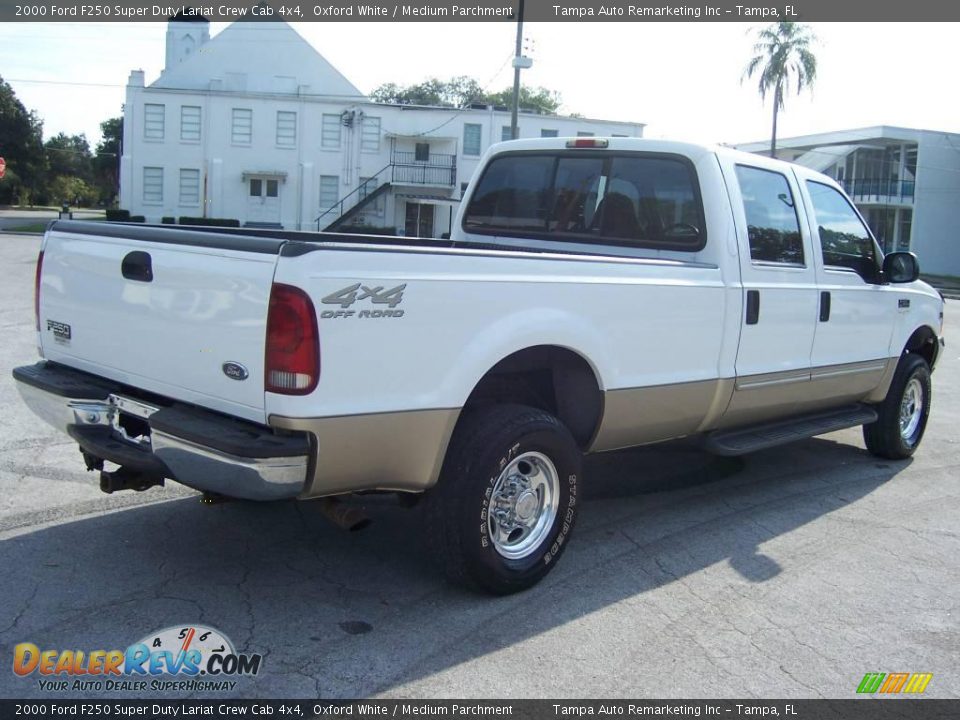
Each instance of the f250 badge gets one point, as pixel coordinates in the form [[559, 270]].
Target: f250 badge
[[61, 331], [358, 292]]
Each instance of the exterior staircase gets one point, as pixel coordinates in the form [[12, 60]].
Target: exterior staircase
[[404, 169]]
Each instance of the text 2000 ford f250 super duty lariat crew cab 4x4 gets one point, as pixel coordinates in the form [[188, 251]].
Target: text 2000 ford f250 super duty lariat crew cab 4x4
[[596, 294]]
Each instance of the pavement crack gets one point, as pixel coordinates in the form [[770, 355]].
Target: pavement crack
[[22, 611]]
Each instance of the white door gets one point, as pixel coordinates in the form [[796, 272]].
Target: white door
[[857, 313], [263, 200], [780, 293]]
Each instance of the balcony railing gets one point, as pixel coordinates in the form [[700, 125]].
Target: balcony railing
[[435, 170], [879, 188]]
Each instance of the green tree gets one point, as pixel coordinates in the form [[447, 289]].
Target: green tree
[[455, 92], [69, 156], [782, 55], [72, 190], [21, 145], [534, 99], [106, 163], [462, 91]]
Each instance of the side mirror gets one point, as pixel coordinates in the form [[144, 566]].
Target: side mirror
[[901, 267]]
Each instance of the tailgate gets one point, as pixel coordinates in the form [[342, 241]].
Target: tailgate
[[181, 313]]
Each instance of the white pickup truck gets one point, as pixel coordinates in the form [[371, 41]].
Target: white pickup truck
[[596, 294]]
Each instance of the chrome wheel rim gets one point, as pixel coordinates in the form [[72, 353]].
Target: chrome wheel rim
[[911, 409], [523, 505]]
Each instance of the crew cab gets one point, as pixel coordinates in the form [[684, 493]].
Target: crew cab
[[596, 294]]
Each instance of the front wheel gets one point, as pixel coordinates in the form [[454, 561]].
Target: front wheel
[[507, 498], [902, 416]]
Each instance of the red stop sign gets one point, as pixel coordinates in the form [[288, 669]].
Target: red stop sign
[[3, 167]]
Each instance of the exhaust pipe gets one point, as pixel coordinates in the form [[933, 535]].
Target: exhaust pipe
[[344, 516], [126, 479]]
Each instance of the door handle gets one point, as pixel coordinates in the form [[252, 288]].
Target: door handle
[[753, 307], [824, 306], [137, 265]]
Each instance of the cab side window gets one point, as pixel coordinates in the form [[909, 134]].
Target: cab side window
[[844, 239], [772, 225]]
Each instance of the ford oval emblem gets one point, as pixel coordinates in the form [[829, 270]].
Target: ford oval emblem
[[235, 371]]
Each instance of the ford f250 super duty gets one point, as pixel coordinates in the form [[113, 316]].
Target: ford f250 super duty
[[596, 294]]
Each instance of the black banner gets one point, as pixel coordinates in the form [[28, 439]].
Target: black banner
[[483, 11], [854, 709]]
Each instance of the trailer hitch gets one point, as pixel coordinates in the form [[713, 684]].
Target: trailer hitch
[[125, 479]]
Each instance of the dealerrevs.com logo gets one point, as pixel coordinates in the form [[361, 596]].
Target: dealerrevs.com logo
[[186, 658]]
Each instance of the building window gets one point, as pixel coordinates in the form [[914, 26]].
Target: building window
[[329, 191], [370, 135], [584, 133], [190, 123], [422, 152], [286, 128], [153, 121], [153, 185], [883, 223], [505, 133], [906, 221], [471, 138], [772, 225], [242, 128], [189, 186], [330, 131], [548, 133]]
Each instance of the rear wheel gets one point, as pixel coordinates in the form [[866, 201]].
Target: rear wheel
[[507, 498], [902, 416]]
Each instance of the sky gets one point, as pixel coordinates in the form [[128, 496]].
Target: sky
[[682, 79]]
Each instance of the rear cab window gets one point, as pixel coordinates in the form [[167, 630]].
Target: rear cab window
[[626, 198]]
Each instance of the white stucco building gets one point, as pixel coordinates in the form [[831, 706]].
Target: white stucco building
[[905, 182], [254, 124]]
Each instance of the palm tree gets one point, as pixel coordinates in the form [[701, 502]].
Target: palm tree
[[782, 54]]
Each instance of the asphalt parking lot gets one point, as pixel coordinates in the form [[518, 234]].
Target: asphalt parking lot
[[789, 573]]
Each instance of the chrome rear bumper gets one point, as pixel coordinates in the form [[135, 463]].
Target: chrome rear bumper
[[207, 452]]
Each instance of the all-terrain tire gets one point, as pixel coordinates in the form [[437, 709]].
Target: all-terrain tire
[[902, 416], [507, 498]]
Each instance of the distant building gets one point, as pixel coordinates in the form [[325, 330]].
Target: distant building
[[905, 182], [254, 124]]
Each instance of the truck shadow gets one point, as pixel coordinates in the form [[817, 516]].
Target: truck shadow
[[351, 615]]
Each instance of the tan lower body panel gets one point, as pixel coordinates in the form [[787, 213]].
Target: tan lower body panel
[[404, 451], [383, 451], [636, 416], [757, 398]]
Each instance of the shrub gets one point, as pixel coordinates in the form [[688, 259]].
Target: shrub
[[210, 222], [366, 230], [167, 220], [118, 215], [136, 218]]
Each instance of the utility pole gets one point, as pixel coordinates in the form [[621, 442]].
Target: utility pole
[[519, 62]]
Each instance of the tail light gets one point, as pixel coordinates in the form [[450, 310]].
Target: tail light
[[36, 290], [293, 343]]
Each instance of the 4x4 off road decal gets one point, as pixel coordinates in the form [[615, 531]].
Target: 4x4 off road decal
[[358, 292]]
